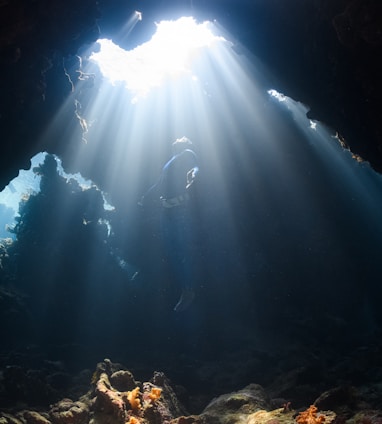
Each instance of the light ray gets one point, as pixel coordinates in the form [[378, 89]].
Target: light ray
[[257, 149]]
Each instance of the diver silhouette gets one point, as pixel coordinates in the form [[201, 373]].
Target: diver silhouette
[[173, 192]]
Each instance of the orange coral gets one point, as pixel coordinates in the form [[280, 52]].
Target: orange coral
[[150, 395], [133, 420], [155, 393], [134, 400], [310, 416]]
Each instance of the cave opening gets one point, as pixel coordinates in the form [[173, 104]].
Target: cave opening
[[270, 176]]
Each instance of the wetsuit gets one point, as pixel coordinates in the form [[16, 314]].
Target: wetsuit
[[176, 219]]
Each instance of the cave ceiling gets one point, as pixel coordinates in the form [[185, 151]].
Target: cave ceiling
[[323, 53]]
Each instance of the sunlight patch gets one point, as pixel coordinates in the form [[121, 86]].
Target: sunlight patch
[[279, 96], [313, 124], [168, 54]]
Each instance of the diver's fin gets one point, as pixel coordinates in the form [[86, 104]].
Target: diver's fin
[[185, 300], [131, 271]]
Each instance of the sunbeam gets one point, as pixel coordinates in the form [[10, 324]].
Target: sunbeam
[[269, 176], [195, 84]]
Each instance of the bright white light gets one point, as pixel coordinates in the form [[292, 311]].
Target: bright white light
[[130, 24], [313, 125], [168, 54], [26, 183], [298, 110], [279, 96]]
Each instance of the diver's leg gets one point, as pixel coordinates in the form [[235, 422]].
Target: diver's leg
[[184, 261], [186, 298], [177, 234]]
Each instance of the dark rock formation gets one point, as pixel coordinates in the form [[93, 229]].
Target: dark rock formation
[[155, 402]]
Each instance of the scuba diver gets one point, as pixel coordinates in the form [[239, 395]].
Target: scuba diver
[[173, 192]]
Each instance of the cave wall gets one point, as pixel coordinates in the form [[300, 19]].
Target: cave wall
[[324, 53]]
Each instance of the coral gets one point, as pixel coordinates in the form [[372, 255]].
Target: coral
[[133, 399], [136, 406], [133, 420], [149, 397], [155, 393], [310, 416]]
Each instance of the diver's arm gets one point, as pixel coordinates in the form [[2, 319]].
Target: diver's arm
[[191, 176], [150, 193], [194, 168]]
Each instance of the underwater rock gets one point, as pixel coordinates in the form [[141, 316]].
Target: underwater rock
[[229, 407], [295, 385], [110, 368], [369, 416], [123, 380], [277, 416], [191, 419], [9, 419], [342, 400], [25, 417], [112, 399], [33, 417], [173, 405], [109, 400], [68, 412], [28, 386]]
